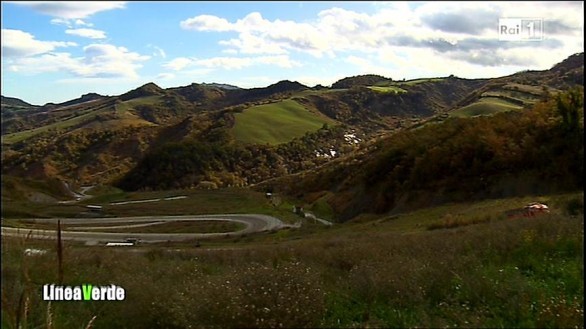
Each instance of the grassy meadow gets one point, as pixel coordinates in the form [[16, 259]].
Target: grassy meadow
[[459, 265], [86, 116], [485, 106], [196, 202], [387, 89], [418, 81], [276, 123], [74, 121]]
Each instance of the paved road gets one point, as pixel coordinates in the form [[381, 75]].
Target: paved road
[[254, 223], [323, 221]]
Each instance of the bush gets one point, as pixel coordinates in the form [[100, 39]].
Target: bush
[[575, 207]]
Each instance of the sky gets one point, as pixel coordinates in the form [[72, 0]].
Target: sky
[[58, 51]]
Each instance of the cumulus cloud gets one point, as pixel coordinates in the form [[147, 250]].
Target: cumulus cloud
[[70, 23], [230, 63], [165, 76], [206, 23], [158, 51], [239, 62], [20, 43], [99, 61], [178, 64], [87, 33], [71, 9], [458, 31]]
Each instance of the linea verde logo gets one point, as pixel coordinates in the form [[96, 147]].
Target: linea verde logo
[[86, 292]]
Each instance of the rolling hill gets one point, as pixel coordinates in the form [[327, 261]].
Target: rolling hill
[[276, 123], [425, 180], [537, 151], [485, 106], [11, 102], [286, 126]]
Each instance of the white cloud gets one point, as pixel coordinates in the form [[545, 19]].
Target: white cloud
[[230, 63], [158, 51], [51, 62], [71, 9], [206, 23], [239, 62], [109, 60], [20, 43], [61, 21], [99, 61], [70, 23], [178, 64], [254, 81], [455, 31], [80, 22], [87, 33], [248, 43], [165, 76], [230, 51]]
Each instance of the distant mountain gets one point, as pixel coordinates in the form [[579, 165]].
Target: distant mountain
[[524, 88], [281, 87], [105, 139], [573, 62], [16, 114], [15, 102], [221, 86], [360, 80], [84, 98], [285, 86], [201, 94], [149, 89], [514, 153]]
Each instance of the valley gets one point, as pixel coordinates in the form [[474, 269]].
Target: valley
[[369, 203]]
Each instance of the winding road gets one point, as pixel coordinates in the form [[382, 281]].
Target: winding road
[[254, 223]]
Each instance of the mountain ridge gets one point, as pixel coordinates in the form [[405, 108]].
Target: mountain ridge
[[571, 62], [102, 139]]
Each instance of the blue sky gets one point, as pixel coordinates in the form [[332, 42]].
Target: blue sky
[[57, 51]]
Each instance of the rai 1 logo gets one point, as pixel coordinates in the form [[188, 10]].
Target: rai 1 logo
[[520, 29]]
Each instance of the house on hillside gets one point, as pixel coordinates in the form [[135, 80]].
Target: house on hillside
[[535, 208], [531, 210], [298, 210]]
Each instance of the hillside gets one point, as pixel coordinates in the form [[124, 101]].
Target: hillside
[[361, 80], [275, 123], [14, 102], [513, 153], [102, 139], [421, 185]]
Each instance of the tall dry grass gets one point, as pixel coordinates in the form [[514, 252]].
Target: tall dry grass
[[498, 273]]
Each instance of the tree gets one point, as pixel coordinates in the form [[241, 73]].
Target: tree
[[569, 106]]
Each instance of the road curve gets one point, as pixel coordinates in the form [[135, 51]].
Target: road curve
[[254, 223]]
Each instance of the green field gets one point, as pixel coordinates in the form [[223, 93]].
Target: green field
[[310, 92], [126, 118], [485, 106], [387, 89], [418, 81], [22, 135], [130, 104], [196, 202], [181, 227], [462, 265], [276, 123], [200, 226], [513, 96], [534, 90]]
